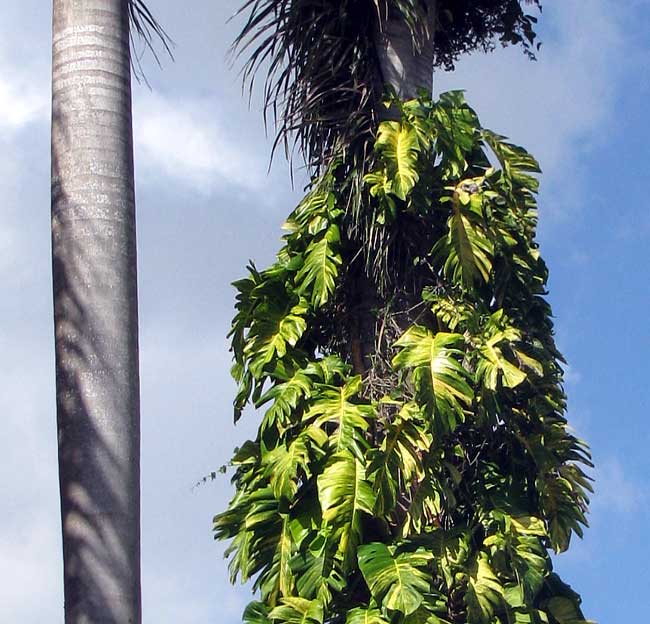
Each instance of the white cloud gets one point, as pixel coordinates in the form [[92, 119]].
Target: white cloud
[[30, 541], [187, 139], [18, 105], [203, 142], [30, 566], [560, 107], [23, 99], [571, 375], [615, 490], [8, 249]]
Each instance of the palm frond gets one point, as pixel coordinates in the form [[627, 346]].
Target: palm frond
[[149, 30], [323, 82]]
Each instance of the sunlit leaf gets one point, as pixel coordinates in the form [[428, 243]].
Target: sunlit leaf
[[484, 591], [397, 582], [317, 277], [298, 611], [335, 407], [365, 616], [398, 145], [345, 495], [441, 380]]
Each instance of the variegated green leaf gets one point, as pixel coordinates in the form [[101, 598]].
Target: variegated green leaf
[[298, 611], [398, 144], [398, 461], [275, 330], [335, 409], [317, 277], [438, 375], [484, 591], [345, 494], [397, 582], [361, 615], [466, 252]]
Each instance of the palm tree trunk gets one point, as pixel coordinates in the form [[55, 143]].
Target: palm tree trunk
[[407, 69], [403, 66], [95, 311]]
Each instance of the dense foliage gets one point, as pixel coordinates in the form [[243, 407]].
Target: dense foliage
[[424, 479]]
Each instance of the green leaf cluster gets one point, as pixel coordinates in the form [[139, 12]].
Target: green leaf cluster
[[439, 501]]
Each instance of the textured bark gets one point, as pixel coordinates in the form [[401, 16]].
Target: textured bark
[[402, 66], [95, 311]]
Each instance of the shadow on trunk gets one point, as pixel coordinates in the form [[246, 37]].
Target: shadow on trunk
[[97, 437]]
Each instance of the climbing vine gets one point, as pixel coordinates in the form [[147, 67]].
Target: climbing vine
[[413, 462]]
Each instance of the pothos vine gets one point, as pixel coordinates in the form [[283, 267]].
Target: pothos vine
[[413, 462]]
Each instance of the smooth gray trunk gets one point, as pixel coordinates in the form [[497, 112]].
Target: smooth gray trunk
[[95, 311]]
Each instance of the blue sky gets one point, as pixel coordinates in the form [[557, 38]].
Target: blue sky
[[206, 204]]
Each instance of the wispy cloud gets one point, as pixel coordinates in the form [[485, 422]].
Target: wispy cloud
[[571, 375], [561, 106], [30, 561], [22, 99], [616, 490], [30, 540], [188, 140]]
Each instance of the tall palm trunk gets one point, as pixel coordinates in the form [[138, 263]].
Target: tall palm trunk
[[95, 311], [407, 69]]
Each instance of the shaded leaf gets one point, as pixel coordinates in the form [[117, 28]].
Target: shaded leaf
[[256, 613], [466, 251]]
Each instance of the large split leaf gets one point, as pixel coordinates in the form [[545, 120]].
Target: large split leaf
[[275, 330], [317, 277], [298, 611], [253, 522], [493, 365], [256, 613], [565, 611], [516, 162], [531, 566], [466, 252], [396, 581], [361, 615], [561, 502], [456, 130], [317, 574], [484, 591], [286, 397], [345, 421], [397, 464], [282, 559], [344, 495], [398, 145], [440, 379], [283, 463], [311, 211], [424, 507]]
